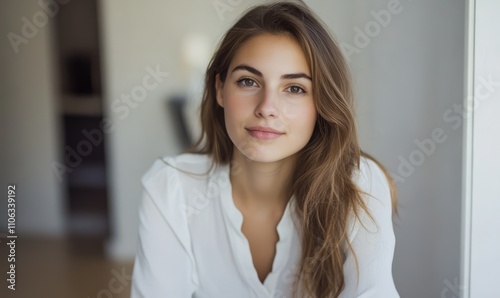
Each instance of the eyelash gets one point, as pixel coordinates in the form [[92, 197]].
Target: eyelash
[[240, 83]]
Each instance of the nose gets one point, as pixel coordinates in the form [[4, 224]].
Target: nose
[[268, 105]]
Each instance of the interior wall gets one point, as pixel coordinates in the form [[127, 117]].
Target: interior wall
[[29, 119], [485, 144]]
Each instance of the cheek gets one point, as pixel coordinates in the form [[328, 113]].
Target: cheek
[[235, 104], [308, 122], [313, 116], [303, 115], [311, 113], [306, 125], [234, 114], [237, 107]]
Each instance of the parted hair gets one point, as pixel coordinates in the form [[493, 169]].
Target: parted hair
[[326, 195]]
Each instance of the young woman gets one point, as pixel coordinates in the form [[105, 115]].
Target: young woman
[[276, 199]]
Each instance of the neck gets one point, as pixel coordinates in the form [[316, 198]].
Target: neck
[[261, 184]]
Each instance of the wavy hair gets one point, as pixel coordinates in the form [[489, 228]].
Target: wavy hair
[[323, 187]]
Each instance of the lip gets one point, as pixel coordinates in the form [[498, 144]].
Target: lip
[[264, 133]]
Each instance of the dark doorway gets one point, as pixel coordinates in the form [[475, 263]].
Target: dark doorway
[[81, 102]]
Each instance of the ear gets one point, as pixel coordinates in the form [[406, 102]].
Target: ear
[[218, 90]]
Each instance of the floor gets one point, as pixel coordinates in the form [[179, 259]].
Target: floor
[[64, 268]]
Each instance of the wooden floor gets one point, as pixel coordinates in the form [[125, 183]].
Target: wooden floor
[[64, 268]]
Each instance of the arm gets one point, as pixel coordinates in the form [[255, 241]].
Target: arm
[[162, 267], [372, 241]]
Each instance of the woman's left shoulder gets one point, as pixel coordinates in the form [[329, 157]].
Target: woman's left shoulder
[[371, 237], [370, 178], [375, 192]]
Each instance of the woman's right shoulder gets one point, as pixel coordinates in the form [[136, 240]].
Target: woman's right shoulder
[[166, 194], [185, 162], [170, 170]]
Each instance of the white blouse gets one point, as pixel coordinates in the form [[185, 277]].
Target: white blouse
[[191, 244]]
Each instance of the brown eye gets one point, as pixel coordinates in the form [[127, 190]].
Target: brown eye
[[296, 89], [246, 82]]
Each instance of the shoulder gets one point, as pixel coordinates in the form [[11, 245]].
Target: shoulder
[[368, 265], [184, 161], [376, 194], [370, 178], [167, 174], [172, 165]]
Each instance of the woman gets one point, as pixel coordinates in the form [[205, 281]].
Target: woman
[[275, 199]]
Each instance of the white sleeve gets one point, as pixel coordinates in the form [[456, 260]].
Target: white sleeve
[[162, 267], [372, 241]]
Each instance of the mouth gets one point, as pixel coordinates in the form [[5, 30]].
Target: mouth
[[264, 133]]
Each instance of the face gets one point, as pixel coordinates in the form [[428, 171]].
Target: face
[[268, 87]]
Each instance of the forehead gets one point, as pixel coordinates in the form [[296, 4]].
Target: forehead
[[271, 54]]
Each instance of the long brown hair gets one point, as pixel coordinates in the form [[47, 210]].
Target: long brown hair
[[325, 192]]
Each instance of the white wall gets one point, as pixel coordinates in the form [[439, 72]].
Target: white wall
[[482, 218], [29, 131], [407, 77]]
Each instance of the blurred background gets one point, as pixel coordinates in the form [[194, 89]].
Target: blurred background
[[92, 92]]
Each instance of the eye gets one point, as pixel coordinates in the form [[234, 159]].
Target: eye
[[296, 89], [246, 82]]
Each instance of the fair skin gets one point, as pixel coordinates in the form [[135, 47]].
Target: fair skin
[[268, 84]]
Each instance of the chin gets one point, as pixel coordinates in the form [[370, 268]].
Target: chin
[[265, 157]]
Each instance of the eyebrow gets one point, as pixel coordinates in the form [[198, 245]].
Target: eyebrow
[[283, 77]]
